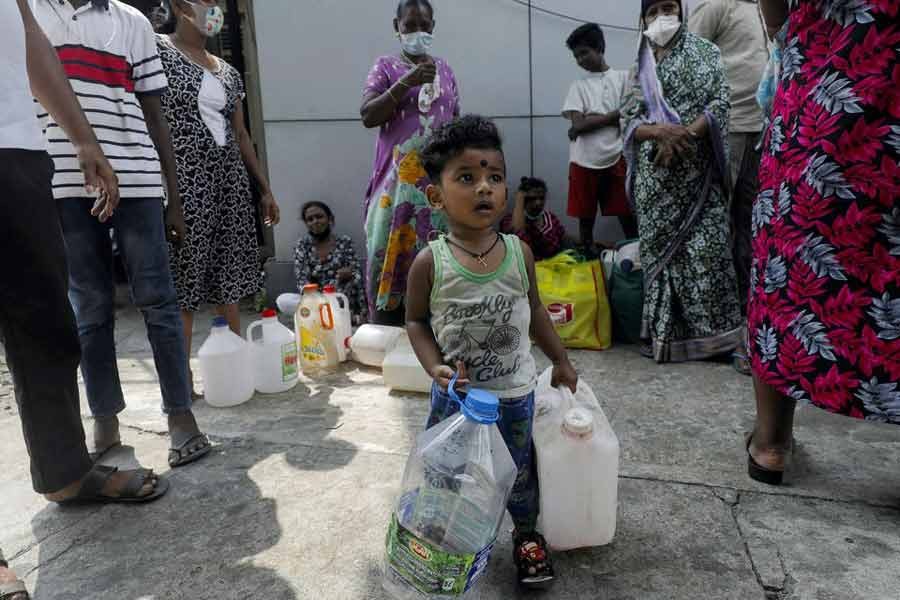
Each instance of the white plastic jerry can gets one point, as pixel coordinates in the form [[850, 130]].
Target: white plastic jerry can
[[402, 370], [343, 321], [578, 467], [275, 361], [226, 367]]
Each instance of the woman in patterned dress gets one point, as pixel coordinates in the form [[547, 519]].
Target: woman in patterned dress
[[824, 314], [407, 95], [218, 262], [676, 126], [323, 258]]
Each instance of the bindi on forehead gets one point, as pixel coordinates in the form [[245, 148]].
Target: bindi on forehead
[[484, 164]]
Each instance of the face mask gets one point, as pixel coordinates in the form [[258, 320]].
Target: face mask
[[208, 19], [416, 44], [663, 29]]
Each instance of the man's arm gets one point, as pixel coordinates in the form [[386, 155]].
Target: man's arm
[[158, 128], [51, 87]]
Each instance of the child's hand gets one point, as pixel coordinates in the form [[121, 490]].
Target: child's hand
[[443, 374], [520, 198], [574, 132], [564, 374]]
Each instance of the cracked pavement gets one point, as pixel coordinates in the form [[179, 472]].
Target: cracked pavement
[[293, 504]]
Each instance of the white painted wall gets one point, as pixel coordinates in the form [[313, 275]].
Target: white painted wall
[[314, 56]]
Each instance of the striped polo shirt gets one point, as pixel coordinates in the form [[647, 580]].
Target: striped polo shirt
[[108, 49]]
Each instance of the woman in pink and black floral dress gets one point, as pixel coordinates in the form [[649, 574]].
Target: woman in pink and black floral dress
[[825, 286]]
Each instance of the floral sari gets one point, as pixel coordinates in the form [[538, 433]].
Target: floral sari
[[691, 308], [399, 221]]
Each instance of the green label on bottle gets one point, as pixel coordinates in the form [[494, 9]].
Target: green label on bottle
[[289, 367], [430, 570]]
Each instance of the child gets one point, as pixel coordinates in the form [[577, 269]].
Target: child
[[533, 223], [597, 168], [465, 286]]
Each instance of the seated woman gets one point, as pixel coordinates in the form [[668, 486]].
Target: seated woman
[[323, 258], [533, 223]]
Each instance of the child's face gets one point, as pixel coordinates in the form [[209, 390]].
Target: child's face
[[472, 191], [589, 59]]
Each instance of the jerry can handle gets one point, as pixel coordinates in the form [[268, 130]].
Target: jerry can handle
[[326, 308]]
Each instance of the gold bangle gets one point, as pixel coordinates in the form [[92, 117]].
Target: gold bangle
[[403, 83], [391, 94]]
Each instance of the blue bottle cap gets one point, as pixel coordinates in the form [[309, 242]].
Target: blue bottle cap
[[220, 322], [478, 405]]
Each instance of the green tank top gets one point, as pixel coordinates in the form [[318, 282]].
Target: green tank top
[[485, 320]]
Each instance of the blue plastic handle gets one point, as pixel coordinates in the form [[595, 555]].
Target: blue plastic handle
[[479, 406]]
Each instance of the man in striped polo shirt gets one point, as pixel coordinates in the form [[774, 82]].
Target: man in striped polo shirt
[[108, 50]]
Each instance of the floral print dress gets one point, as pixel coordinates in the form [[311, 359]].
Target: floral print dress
[[691, 308], [399, 221], [824, 322]]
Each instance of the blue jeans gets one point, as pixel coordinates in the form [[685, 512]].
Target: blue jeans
[[516, 425], [140, 233]]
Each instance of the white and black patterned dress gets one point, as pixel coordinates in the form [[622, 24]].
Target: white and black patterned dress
[[218, 261]]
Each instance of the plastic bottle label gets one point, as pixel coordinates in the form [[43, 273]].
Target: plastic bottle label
[[289, 362], [430, 570], [311, 348]]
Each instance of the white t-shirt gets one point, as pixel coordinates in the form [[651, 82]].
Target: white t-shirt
[[598, 93], [19, 127], [212, 102]]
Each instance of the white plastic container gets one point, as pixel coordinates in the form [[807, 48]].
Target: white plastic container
[[402, 370], [226, 366], [275, 361], [371, 343], [452, 502], [288, 304], [343, 321], [578, 467], [314, 327]]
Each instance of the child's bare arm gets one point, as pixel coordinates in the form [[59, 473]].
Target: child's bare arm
[[418, 321], [543, 333]]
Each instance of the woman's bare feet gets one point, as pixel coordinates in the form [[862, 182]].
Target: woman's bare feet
[[8, 578]]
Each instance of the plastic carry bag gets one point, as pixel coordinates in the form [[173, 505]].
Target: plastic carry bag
[[574, 293], [578, 467]]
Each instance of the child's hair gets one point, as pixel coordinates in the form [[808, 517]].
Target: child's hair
[[316, 204], [404, 4], [532, 183], [452, 139], [589, 35]]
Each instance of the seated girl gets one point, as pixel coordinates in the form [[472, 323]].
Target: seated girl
[[533, 223]]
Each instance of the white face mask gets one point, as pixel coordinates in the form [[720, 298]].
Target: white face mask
[[663, 29], [208, 19], [417, 43]]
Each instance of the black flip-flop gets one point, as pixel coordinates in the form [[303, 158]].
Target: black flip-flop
[[91, 491], [761, 474], [96, 456], [16, 589], [179, 456]]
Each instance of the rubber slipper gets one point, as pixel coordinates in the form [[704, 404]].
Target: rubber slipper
[[91, 491], [180, 456], [96, 456], [760, 473]]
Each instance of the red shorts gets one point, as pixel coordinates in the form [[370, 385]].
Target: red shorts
[[593, 188]]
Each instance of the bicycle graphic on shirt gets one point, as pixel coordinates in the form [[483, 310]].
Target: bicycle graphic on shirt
[[501, 340]]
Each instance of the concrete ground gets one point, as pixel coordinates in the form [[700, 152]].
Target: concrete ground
[[294, 502]]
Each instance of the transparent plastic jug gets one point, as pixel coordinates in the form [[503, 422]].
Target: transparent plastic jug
[[402, 370], [343, 320], [371, 343], [578, 467], [275, 361], [453, 500], [226, 367], [314, 327]]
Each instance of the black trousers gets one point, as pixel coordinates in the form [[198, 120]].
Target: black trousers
[[37, 325]]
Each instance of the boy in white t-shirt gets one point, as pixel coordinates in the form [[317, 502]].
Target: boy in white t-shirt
[[597, 168]]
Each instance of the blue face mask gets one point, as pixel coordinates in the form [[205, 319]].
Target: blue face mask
[[417, 43]]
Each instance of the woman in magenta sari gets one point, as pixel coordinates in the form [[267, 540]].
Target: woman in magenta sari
[[407, 95]]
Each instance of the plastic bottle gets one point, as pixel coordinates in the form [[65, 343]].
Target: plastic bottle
[[226, 367], [402, 370], [275, 360], [453, 500], [314, 326], [578, 467], [371, 343], [343, 320]]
